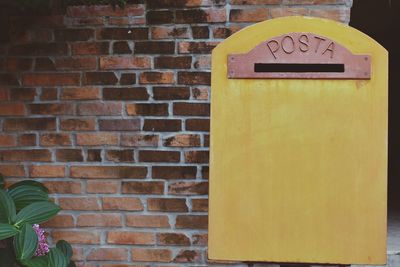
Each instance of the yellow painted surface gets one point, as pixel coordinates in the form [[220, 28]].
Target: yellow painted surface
[[298, 168]]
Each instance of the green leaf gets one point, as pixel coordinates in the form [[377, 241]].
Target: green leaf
[[1, 181], [7, 231], [31, 183], [41, 261], [7, 207], [25, 243], [24, 195], [65, 248], [56, 258], [37, 213]]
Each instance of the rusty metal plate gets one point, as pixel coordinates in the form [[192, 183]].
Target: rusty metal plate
[[299, 55]]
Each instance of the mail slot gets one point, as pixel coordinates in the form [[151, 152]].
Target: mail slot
[[298, 154]]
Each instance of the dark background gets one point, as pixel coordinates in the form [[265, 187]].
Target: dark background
[[380, 19]]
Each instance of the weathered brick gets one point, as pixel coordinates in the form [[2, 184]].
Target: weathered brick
[[50, 79], [200, 93], [174, 172], [200, 16], [12, 170], [225, 31], [167, 204], [171, 93], [7, 140], [18, 64], [63, 187], [120, 155], [156, 78], [81, 93], [169, 32], [139, 140], [25, 155], [22, 94], [201, 125], [104, 10], [124, 62], [73, 34], [121, 47], [191, 221], [197, 156], [100, 78], [147, 109], [147, 221], [130, 238], [288, 11], [127, 79], [120, 125], [53, 109], [118, 172], [77, 237], [154, 188], [191, 109], [39, 49], [202, 62], [188, 188], [159, 156], [159, 17], [122, 203], [108, 254], [29, 124], [133, 93], [188, 256], [86, 124], [110, 108], [70, 63], [155, 47], [55, 139], [99, 220], [196, 47], [96, 139], [156, 125], [200, 205], [8, 79], [41, 171], [152, 255], [49, 94], [248, 15], [192, 78], [93, 155], [123, 33], [69, 155], [27, 140], [60, 221], [200, 239], [102, 187], [173, 239], [173, 62], [90, 48], [259, 2], [79, 203]]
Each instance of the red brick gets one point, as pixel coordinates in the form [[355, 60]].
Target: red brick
[[123, 33], [288, 11], [11, 170], [87, 124], [96, 139], [77, 237], [188, 188], [152, 255], [17, 64], [80, 203], [23, 94], [99, 220], [154, 188], [50, 79], [60, 221], [134, 93], [121, 47], [125, 155], [147, 221], [154, 47], [188, 256], [167, 204], [7, 140], [72, 35], [127, 79], [338, 14], [156, 78], [139, 140], [191, 221], [191, 109], [55, 139], [95, 21], [147, 109], [70, 63], [119, 63], [193, 78], [110, 108], [225, 32], [43, 171], [69, 155], [203, 62], [200, 239], [25, 155], [27, 140], [154, 17], [49, 94], [197, 156], [104, 10], [130, 238], [200, 32], [81, 93], [179, 3], [119, 125], [157, 125], [90, 48], [173, 62], [174, 172], [39, 49], [102, 187], [196, 47], [12, 109], [201, 125], [248, 15], [94, 155], [171, 93], [200, 16], [44, 64], [63, 187], [8, 79], [173, 239], [122, 203], [200, 93], [159, 156], [169, 32], [100, 78], [259, 2], [52, 109], [108, 254], [200, 205], [108, 172]]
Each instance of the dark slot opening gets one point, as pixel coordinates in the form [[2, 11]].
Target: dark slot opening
[[289, 67]]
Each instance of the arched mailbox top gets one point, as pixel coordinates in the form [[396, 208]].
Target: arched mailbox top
[[299, 55]]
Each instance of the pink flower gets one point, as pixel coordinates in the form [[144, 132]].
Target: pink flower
[[43, 247]]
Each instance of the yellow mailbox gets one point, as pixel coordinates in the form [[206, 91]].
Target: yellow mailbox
[[298, 167]]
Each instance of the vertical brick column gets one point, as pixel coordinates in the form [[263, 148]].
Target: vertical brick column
[[110, 109]]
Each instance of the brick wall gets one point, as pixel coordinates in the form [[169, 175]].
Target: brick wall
[[110, 109]]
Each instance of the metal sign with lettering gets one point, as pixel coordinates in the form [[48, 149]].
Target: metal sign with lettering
[[299, 55]]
